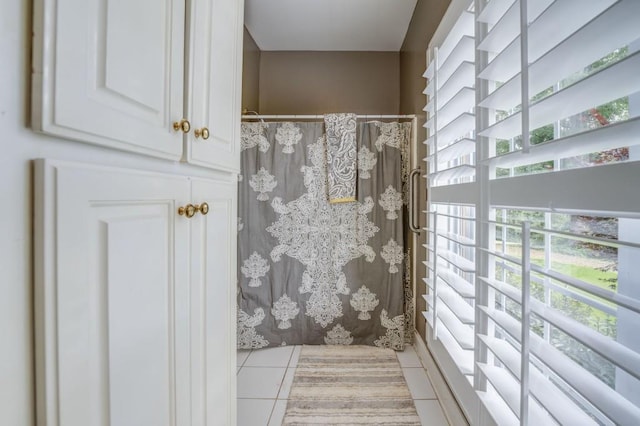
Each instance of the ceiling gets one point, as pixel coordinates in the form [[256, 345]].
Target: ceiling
[[329, 25]]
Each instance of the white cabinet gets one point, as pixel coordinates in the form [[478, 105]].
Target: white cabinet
[[119, 74], [215, 80], [213, 304], [134, 303]]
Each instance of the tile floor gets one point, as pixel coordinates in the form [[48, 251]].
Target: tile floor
[[265, 377]]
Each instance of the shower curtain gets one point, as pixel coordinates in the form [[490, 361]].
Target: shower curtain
[[311, 272]]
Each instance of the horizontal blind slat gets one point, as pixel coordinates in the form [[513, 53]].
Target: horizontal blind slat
[[457, 149], [461, 77], [429, 90], [463, 358], [504, 288], [499, 410], [462, 333], [429, 299], [609, 295], [462, 310], [507, 387], [457, 238], [617, 135], [504, 320], [459, 284], [430, 107], [457, 172], [456, 260], [505, 65], [456, 129], [514, 294], [464, 51], [428, 73], [428, 282], [428, 317], [463, 100], [494, 10]]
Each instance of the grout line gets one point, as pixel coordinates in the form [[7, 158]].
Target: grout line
[[269, 399], [261, 366], [291, 356], [245, 358], [271, 414], [282, 382], [275, 403], [273, 408]]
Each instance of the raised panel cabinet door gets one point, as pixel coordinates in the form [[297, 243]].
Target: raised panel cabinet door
[[213, 304], [110, 72], [111, 297], [215, 76]]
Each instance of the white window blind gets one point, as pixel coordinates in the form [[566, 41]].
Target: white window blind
[[533, 235], [451, 160], [451, 93]]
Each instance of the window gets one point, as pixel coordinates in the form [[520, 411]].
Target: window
[[534, 210]]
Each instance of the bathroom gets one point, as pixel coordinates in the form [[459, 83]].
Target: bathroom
[[514, 297]]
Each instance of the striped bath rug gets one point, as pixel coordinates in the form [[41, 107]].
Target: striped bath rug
[[349, 385]]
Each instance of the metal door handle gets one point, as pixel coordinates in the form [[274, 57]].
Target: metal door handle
[[412, 213]]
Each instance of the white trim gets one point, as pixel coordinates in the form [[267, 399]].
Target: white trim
[[461, 193], [569, 190], [448, 402], [320, 116]]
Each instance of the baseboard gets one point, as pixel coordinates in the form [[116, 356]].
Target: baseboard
[[449, 404]]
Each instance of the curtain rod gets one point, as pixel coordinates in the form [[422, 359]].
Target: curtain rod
[[311, 117]]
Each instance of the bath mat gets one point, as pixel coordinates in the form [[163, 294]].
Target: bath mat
[[349, 385]]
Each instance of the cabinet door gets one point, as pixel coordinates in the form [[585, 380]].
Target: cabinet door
[[112, 297], [213, 304], [215, 75], [110, 72]]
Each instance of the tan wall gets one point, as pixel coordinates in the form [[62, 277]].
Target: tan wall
[[250, 73], [424, 22], [321, 82]]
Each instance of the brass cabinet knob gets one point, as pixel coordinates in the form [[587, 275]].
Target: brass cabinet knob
[[204, 207], [190, 210], [204, 132], [182, 125]]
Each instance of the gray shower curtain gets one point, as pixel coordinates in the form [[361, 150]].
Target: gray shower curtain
[[311, 272]]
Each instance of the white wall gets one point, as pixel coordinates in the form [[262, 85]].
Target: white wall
[[18, 146]]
